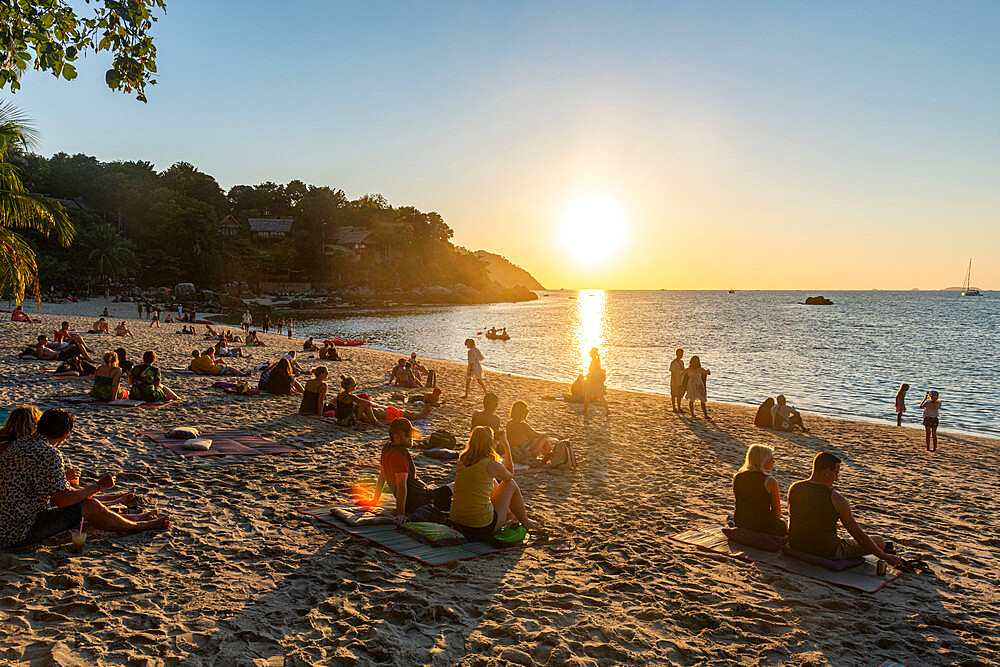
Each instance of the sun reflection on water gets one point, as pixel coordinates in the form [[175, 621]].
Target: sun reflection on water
[[591, 320]]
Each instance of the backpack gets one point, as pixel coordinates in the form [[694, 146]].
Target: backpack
[[441, 439]]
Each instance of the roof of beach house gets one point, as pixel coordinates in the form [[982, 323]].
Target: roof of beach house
[[352, 235], [270, 224]]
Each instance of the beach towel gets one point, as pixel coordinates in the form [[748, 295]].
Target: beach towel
[[234, 443], [52, 374], [181, 371], [862, 578], [388, 537], [87, 399]]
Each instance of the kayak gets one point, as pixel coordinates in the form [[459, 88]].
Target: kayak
[[346, 343], [203, 322], [498, 336]]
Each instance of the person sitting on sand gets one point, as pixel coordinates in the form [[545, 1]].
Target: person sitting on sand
[[814, 510], [122, 330], [20, 423], [170, 319], [123, 361], [107, 380], [596, 391], [678, 383], [18, 315], [478, 506], [487, 416], [222, 349], [351, 408], [329, 352], [314, 394], [209, 331], [784, 417], [474, 369], [762, 417], [396, 373], [205, 364], [309, 345], [406, 378], [254, 340], [296, 369], [577, 390], [146, 382], [100, 327], [526, 444], [36, 499], [105, 313], [63, 334], [418, 368], [758, 498], [278, 378], [694, 383], [397, 470]]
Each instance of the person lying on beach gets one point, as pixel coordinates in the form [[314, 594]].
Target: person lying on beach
[[122, 330], [815, 509], [480, 507], [396, 470], [931, 406], [36, 499], [107, 380], [694, 383], [487, 416], [75, 348], [596, 391], [254, 340], [758, 498], [209, 331], [146, 382], [309, 345], [432, 399], [20, 423], [187, 331], [784, 417], [20, 316], [222, 349], [351, 408], [329, 352], [279, 379], [100, 327], [526, 444], [205, 364]]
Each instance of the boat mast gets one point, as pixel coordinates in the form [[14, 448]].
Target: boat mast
[[968, 276]]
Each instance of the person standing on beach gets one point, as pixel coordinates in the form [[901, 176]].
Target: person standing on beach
[[265, 323], [281, 324], [289, 327], [474, 368], [677, 381], [37, 500], [155, 319], [931, 405], [901, 403], [138, 307], [815, 509], [694, 379], [149, 309], [246, 321]]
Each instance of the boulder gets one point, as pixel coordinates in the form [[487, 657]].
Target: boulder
[[818, 301], [184, 291]]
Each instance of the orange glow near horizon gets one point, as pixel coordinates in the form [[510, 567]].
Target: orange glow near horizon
[[588, 330]]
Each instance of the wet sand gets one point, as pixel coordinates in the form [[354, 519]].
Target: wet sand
[[242, 578]]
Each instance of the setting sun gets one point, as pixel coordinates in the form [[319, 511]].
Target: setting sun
[[592, 228]]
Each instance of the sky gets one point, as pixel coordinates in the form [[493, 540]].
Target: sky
[[686, 145]]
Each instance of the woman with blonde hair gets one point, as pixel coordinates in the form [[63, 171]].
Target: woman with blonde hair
[[478, 506], [107, 380], [758, 498], [20, 423]]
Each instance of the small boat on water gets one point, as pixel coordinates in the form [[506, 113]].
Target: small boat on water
[[497, 334], [345, 343], [967, 288], [732, 291]]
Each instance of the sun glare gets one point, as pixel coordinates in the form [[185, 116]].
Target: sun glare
[[592, 228]]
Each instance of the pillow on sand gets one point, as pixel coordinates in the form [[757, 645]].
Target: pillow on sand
[[437, 534], [357, 517], [186, 432], [441, 454], [752, 538], [835, 565], [203, 444]]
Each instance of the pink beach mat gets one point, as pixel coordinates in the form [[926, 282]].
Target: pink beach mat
[[224, 443], [861, 578]]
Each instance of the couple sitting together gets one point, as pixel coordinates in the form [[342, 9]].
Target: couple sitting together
[[528, 446], [409, 374], [349, 408], [779, 415], [145, 379], [483, 498], [814, 509]]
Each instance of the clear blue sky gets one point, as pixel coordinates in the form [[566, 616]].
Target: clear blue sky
[[866, 134]]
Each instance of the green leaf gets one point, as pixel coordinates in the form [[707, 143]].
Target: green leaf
[[68, 72], [113, 78]]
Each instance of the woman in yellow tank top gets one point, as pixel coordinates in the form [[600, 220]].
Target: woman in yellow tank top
[[478, 507]]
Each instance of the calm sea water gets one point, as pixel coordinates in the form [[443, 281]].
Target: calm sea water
[[842, 360]]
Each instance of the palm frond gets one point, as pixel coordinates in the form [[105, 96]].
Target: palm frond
[[18, 271], [15, 128]]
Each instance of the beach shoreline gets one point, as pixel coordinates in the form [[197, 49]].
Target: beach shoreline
[[243, 579]]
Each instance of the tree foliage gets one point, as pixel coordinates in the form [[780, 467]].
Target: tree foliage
[[50, 35]]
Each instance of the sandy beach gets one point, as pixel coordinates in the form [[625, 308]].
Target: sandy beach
[[243, 579]]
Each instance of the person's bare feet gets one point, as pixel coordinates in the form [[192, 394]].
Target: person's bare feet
[[158, 523], [145, 516]]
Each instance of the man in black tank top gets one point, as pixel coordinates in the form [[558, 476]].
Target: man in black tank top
[[814, 509]]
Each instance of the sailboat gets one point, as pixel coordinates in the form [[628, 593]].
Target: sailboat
[[968, 289]]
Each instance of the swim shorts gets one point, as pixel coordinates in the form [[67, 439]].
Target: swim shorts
[[392, 413], [848, 549], [931, 422]]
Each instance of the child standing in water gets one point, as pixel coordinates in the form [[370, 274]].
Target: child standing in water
[[475, 367], [931, 404], [900, 403]]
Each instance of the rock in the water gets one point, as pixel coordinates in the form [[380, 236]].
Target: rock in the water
[[818, 301]]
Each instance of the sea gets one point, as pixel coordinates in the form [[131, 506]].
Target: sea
[[843, 360]]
